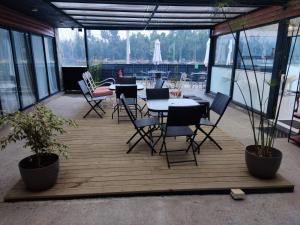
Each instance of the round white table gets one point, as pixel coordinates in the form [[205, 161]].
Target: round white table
[[113, 86], [162, 105]]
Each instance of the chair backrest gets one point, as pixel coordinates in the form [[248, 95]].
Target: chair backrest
[[127, 109], [88, 79], [159, 83], [157, 93], [220, 103], [126, 80], [83, 88], [184, 115], [129, 91]]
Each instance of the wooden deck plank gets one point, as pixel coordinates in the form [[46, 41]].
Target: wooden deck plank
[[99, 166]]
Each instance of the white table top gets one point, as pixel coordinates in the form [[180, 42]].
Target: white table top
[[163, 104], [113, 86]]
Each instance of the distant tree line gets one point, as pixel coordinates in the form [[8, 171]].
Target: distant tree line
[[107, 46]]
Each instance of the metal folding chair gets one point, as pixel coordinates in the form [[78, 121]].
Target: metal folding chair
[[130, 92], [92, 101], [178, 124], [140, 126], [126, 80], [219, 106]]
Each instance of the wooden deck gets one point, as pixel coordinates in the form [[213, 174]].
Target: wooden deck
[[99, 166]]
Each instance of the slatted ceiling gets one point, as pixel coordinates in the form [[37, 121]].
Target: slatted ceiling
[[156, 16]]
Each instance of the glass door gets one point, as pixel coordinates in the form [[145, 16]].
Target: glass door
[[23, 62], [50, 60], [40, 66], [8, 86]]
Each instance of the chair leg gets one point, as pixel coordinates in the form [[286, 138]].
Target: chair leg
[[131, 137], [92, 108], [207, 136]]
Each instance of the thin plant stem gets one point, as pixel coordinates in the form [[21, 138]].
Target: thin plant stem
[[248, 82]]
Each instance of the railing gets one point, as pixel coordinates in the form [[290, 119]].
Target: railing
[[175, 70]]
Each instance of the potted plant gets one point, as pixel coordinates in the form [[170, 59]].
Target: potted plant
[[38, 130], [262, 159]]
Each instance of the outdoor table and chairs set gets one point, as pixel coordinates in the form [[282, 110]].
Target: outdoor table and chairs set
[[165, 117]]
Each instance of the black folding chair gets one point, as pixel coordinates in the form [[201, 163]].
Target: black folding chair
[[126, 80], [130, 92], [219, 106], [92, 101], [156, 94], [178, 122], [140, 125]]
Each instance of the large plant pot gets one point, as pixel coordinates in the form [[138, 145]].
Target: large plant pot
[[262, 167], [39, 179]]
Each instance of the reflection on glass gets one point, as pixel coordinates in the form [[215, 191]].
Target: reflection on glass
[[50, 60], [24, 68], [262, 41], [39, 64], [222, 69], [8, 89], [72, 49], [224, 50]]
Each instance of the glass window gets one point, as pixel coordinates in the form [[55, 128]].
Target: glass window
[[24, 67], [40, 66], [50, 60], [176, 46], [222, 69], [72, 50], [224, 50], [262, 43], [8, 88]]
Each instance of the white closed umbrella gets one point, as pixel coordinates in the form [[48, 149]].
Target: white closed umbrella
[[230, 48], [156, 54], [207, 53]]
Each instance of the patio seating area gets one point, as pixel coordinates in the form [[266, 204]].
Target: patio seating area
[[99, 166], [141, 112]]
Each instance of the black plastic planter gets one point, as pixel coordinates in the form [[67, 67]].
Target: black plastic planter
[[39, 179], [262, 167]]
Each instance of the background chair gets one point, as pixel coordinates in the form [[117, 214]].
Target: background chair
[[219, 106], [97, 91], [140, 126], [126, 80], [130, 92], [92, 101], [178, 122]]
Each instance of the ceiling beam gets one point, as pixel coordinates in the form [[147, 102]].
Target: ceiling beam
[[136, 27], [152, 14], [75, 16], [236, 3], [158, 11]]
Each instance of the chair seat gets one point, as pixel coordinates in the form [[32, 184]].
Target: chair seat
[[102, 91], [206, 122], [101, 98], [175, 131], [129, 101], [146, 122]]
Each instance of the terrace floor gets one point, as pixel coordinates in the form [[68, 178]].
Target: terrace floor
[[197, 209]]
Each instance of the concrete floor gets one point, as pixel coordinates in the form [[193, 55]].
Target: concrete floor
[[259, 209]]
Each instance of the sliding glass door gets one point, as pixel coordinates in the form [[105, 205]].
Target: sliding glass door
[[40, 66], [50, 60], [8, 86], [23, 62]]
